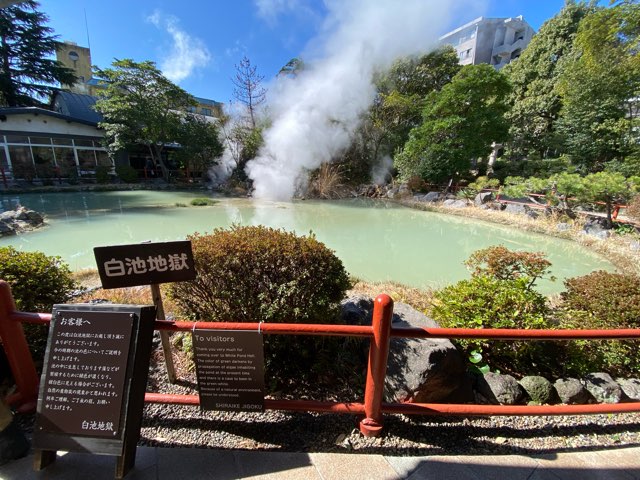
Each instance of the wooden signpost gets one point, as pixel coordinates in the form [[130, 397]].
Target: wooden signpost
[[148, 264], [93, 383]]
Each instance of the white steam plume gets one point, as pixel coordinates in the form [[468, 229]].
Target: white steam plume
[[315, 114]]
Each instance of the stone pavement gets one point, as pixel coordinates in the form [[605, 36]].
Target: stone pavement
[[193, 464]]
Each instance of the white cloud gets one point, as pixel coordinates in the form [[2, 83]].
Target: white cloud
[[187, 53], [270, 10]]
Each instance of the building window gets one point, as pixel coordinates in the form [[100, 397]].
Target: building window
[[465, 54], [206, 111]]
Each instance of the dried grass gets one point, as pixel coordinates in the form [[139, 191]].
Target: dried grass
[[420, 299], [621, 250], [327, 183]]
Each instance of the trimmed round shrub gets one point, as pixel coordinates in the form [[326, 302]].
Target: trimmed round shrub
[[602, 300], [37, 283], [488, 302], [253, 274]]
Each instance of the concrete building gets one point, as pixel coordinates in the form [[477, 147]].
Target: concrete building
[[78, 59], [496, 41]]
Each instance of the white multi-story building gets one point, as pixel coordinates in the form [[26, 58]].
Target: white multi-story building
[[495, 41]]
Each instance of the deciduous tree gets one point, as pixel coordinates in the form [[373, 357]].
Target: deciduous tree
[[141, 106]]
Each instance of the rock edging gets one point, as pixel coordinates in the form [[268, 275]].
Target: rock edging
[[22, 219]]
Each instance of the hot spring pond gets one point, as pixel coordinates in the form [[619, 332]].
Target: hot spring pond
[[377, 241]]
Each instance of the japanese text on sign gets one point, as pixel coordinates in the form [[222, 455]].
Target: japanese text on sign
[[145, 264], [85, 373], [137, 265]]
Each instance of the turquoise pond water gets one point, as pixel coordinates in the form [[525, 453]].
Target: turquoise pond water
[[377, 241]]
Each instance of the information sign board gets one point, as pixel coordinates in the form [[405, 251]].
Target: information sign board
[[230, 369], [144, 263], [94, 377], [85, 374]]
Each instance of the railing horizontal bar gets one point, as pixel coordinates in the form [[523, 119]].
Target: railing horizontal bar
[[27, 317], [366, 331], [481, 410], [419, 408], [291, 405], [514, 334], [277, 328]]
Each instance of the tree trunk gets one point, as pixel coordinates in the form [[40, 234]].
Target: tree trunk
[[159, 160]]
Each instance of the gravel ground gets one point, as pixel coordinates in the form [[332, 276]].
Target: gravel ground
[[171, 425], [187, 426]]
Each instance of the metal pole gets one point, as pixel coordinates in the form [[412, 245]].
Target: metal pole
[[371, 425], [164, 335], [18, 354]]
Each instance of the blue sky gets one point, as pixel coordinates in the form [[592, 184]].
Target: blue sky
[[197, 43]]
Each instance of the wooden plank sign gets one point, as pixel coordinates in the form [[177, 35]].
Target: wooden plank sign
[[145, 263], [230, 369]]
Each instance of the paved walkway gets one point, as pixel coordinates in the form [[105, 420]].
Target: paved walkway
[[194, 464]]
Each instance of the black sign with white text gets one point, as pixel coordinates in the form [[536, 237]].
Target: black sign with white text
[[85, 373], [145, 263], [230, 369]]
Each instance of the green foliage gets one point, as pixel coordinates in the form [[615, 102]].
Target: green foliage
[[140, 105], [102, 174], [602, 300], [254, 274], [534, 76], [37, 280], [460, 123], [530, 168], [202, 202], [503, 264], [26, 45], [566, 190], [37, 283], [599, 85], [127, 173], [200, 144], [488, 302]]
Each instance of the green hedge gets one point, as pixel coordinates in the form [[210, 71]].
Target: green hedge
[[260, 274]]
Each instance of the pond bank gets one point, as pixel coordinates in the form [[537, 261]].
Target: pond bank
[[623, 251]]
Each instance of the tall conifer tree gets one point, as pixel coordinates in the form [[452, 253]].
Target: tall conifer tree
[[27, 76]]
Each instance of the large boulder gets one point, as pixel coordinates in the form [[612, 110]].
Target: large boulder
[[630, 387], [572, 392], [539, 389], [603, 388], [498, 389], [453, 203], [482, 198], [418, 370], [431, 197]]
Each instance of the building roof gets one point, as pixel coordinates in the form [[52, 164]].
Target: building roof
[[77, 105], [42, 111]]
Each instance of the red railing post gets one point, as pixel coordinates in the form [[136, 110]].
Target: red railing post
[[17, 350], [371, 425]]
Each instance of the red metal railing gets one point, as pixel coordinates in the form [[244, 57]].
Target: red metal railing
[[380, 332]]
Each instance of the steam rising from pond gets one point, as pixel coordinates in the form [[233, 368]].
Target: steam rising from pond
[[316, 113]]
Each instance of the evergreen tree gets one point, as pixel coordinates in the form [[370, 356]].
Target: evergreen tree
[[26, 74], [460, 123], [600, 87], [534, 76]]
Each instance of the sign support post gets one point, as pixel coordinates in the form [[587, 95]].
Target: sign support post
[[164, 336]]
